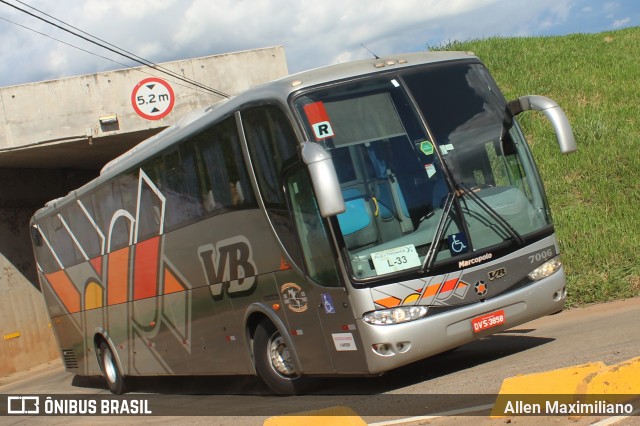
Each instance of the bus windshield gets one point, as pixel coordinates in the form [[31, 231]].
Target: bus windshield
[[432, 168]]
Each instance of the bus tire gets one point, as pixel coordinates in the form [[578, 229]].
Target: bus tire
[[112, 374], [274, 363]]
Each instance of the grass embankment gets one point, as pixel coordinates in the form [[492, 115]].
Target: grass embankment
[[595, 192]]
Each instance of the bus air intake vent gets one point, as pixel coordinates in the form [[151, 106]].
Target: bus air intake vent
[[70, 360]]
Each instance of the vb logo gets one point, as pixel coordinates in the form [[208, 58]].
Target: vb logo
[[229, 261], [497, 274]]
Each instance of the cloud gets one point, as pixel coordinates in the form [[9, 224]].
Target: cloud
[[314, 33], [619, 23]]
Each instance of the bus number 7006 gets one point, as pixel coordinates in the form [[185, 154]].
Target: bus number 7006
[[541, 255]]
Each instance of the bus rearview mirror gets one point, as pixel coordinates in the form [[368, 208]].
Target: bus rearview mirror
[[554, 114], [324, 179]]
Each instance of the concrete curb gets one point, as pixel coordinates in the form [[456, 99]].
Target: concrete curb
[[332, 416], [620, 381], [561, 381]]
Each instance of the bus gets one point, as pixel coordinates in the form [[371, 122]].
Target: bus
[[346, 220]]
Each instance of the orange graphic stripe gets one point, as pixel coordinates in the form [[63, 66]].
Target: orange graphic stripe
[[96, 262], [171, 283], [431, 291], [389, 302], [449, 285], [145, 272], [65, 290], [118, 276]]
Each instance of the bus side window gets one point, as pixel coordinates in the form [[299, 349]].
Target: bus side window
[[319, 260], [84, 230], [44, 254], [59, 237], [179, 183], [225, 183], [272, 144], [105, 202]]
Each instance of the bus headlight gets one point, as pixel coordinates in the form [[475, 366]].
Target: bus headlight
[[546, 269], [395, 315]]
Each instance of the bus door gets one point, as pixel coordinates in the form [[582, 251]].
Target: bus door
[[324, 293]]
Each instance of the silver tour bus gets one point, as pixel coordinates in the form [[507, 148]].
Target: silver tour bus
[[342, 221]]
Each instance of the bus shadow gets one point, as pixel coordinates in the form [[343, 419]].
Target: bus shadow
[[182, 385], [476, 353]]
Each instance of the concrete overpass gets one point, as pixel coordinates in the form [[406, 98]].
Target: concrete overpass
[[56, 135]]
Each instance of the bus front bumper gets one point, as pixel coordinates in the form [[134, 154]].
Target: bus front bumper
[[391, 346]]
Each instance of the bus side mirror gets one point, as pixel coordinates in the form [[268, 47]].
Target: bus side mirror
[[554, 114], [324, 179]]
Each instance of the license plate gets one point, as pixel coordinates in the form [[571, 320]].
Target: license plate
[[488, 321]]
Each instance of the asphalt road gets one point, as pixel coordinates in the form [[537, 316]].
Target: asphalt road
[[467, 377]]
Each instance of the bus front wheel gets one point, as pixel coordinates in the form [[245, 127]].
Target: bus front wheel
[[274, 362], [112, 374]]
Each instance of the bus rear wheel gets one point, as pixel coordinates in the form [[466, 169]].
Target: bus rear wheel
[[274, 363], [112, 374]]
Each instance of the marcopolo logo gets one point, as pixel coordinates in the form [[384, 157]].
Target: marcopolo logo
[[475, 260]]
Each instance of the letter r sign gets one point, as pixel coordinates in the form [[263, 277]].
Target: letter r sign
[[319, 120], [322, 130]]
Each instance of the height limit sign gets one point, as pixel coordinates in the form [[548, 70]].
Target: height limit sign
[[153, 98]]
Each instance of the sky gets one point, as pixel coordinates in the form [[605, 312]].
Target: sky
[[313, 32]]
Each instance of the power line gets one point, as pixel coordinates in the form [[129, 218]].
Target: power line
[[135, 59], [87, 51], [60, 41], [138, 58], [112, 48]]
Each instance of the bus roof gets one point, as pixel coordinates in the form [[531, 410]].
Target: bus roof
[[279, 89], [352, 69]]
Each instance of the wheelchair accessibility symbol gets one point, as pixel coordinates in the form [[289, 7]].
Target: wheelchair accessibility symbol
[[458, 243], [327, 302]]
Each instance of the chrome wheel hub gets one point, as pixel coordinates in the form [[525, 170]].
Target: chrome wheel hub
[[280, 356]]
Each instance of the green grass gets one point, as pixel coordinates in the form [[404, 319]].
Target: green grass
[[595, 192]]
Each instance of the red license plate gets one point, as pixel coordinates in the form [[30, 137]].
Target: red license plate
[[487, 321]]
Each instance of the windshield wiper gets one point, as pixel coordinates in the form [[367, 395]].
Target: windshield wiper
[[437, 238], [507, 124], [495, 216]]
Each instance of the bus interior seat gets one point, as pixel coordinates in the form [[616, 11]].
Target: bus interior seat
[[355, 223]]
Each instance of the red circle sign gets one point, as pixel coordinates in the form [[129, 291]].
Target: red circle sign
[[152, 98]]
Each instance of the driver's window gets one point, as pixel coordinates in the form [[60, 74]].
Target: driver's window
[[319, 259]]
